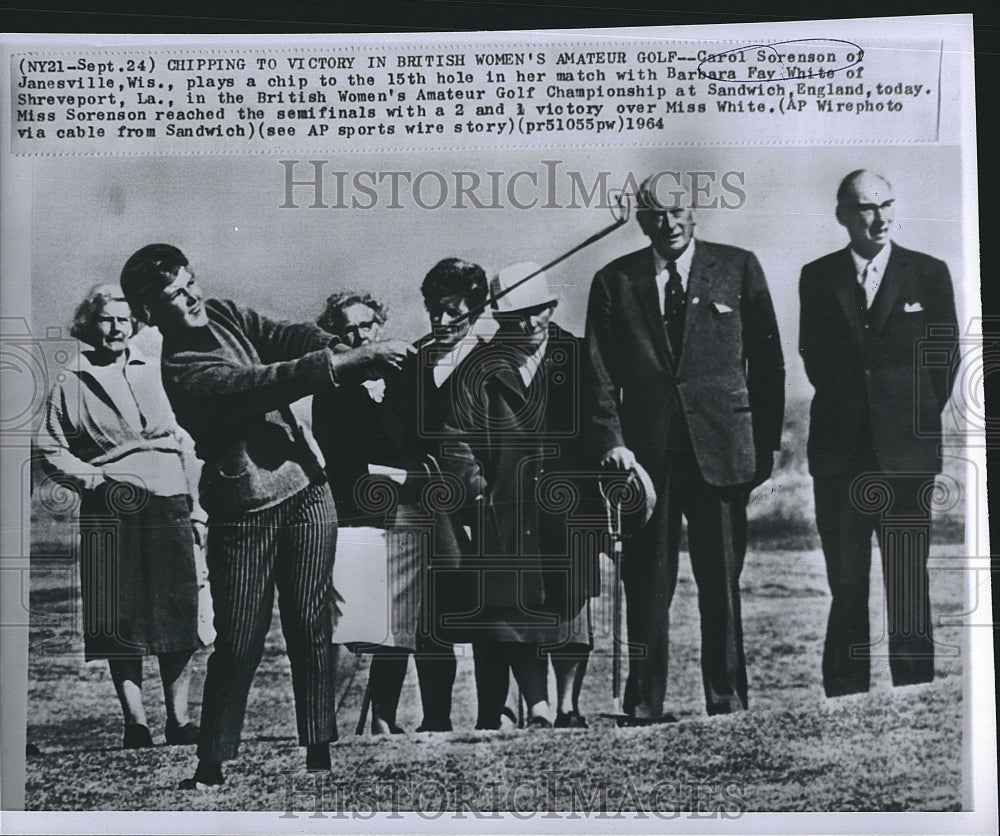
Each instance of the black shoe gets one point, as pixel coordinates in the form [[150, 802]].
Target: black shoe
[[318, 757], [186, 735], [137, 736], [394, 729], [207, 776], [538, 722], [733, 706], [437, 726], [570, 720]]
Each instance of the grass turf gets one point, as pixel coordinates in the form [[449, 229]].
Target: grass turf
[[890, 749]]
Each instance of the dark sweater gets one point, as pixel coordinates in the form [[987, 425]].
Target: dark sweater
[[230, 385]]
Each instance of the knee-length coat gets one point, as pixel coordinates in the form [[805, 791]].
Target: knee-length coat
[[517, 451]]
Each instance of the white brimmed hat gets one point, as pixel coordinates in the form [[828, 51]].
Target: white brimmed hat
[[534, 293]]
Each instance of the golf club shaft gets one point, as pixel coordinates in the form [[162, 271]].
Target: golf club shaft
[[427, 339]]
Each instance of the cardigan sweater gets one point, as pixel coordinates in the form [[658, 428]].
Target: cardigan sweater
[[113, 422]]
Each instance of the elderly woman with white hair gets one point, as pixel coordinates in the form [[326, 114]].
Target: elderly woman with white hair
[[110, 435]]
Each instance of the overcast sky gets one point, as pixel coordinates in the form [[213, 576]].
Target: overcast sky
[[90, 214]]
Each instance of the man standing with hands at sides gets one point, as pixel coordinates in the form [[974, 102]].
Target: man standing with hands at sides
[[230, 375], [878, 336], [687, 379]]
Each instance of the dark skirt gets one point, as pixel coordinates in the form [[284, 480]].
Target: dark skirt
[[137, 573]]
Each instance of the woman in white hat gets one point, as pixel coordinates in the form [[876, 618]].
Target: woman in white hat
[[514, 416]]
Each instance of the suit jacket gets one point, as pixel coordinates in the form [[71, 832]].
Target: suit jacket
[[883, 377], [728, 384]]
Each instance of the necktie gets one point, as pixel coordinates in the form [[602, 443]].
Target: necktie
[[870, 283], [674, 303]]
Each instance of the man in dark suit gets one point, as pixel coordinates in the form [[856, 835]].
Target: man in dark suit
[[878, 337], [687, 379]]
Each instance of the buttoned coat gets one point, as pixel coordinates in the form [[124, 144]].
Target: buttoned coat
[[508, 440], [888, 372], [728, 383]]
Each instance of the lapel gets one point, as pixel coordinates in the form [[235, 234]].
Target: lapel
[[699, 286], [644, 286], [889, 290], [506, 377], [845, 281]]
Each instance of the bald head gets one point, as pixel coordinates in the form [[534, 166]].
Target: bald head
[[865, 209]]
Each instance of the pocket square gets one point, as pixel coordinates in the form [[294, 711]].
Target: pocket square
[[721, 308], [912, 307]]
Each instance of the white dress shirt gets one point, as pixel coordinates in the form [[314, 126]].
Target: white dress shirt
[[871, 273]]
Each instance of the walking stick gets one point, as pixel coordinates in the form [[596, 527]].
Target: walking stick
[[613, 509], [614, 516], [365, 705]]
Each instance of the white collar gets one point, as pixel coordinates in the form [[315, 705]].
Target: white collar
[[529, 368], [682, 263], [876, 265], [482, 331]]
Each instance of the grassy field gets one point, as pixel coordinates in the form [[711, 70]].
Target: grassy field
[[891, 749]]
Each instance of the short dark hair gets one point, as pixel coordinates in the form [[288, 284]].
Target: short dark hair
[[147, 271], [332, 318], [87, 312], [846, 183], [454, 277]]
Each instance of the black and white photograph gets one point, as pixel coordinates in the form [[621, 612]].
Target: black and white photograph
[[455, 431]]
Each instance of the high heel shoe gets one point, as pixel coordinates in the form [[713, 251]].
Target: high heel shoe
[[137, 736]]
